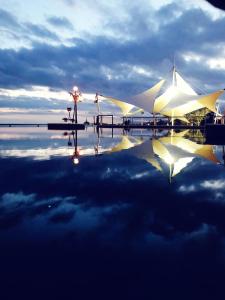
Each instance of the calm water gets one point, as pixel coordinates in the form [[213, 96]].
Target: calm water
[[114, 215]]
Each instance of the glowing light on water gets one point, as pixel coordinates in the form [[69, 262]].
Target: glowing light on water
[[76, 161]]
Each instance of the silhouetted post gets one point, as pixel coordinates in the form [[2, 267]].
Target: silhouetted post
[[97, 102], [154, 120], [97, 120], [69, 111]]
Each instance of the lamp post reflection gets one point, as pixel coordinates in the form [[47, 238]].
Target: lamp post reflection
[[75, 156], [97, 102], [72, 141], [96, 147], [78, 151]]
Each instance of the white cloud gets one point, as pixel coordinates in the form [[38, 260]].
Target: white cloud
[[42, 92], [217, 63]]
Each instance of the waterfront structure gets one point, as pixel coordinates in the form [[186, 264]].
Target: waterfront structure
[[172, 97]]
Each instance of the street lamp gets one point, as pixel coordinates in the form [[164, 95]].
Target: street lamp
[[76, 94]]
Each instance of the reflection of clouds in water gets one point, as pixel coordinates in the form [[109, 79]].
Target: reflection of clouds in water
[[214, 184], [102, 202], [113, 193], [164, 152], [47, 153], [214, 187], [37, 154], [27, 203], [11, 200], [56, 210], [88, 227], [140, 175], [187, 188]]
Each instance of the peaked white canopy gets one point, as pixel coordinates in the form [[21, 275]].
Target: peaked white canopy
[[172, 98], [144, 101]]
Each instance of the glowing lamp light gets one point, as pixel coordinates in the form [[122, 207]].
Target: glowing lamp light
[[76, 161], [75, 89]]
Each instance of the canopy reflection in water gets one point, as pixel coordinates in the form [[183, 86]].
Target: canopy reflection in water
[[175, 151], [168, 152]]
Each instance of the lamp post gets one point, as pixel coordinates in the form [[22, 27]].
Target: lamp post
[[75, 93]]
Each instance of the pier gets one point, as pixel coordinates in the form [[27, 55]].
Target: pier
[[23, 124], [65, 126]]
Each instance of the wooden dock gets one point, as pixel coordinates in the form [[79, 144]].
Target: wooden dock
[[65, 126], [23, 124]]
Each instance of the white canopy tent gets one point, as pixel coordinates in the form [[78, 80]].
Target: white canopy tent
[[173, 98]]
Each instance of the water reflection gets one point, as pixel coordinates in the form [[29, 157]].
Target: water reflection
[[169, 152], [112, 216]]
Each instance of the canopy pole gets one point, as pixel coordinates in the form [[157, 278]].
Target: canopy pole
[[171, 173], [154, 120]]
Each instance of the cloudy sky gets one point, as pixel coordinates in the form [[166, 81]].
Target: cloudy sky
[[115, 47]]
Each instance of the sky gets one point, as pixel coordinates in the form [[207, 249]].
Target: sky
[[113, 47]]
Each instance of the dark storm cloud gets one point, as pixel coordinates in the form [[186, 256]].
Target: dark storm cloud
[[105, 64], [36, 103], [27, 31], [40, 31], [60, 22], [7, 19]]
